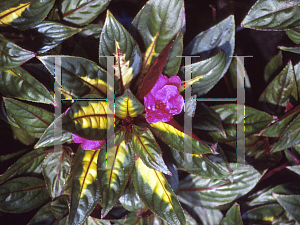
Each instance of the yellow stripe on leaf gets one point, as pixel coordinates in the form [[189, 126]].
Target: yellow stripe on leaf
[[7, 16], [95, 85]]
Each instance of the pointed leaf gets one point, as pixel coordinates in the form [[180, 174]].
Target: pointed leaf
[[295, 169], [82, 12], [157, 23], [272, 66], [127, 105], [24, 15], [12, 55], [210, 42], [26, 165], [294, 35], [49, 137], [263, 214], [290, 137], [254, 120], [113, 174], [273, 15], [22, 136], [44, 216], [144, 145], [198, 191], [233, 216], [279, 91], [290, 49], [87, 119], [55, 170], [85, 191], [59, 207], [34, 120], [91, 30], [198, 164], [115, 40], [156, 193], [19, 84], [22, 194], [208, 216], [94, 221], [130, 199], [175, 138], [79, 76]]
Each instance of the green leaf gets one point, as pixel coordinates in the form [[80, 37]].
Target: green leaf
[[127, 105], [22, 136], [44, 216], [208, 216], [290, 49], [254, 120], [263, 214], [290, 137], [175, 138], [91, 30], [113, 174], [20, 84], [291, 203], [204, 192], [210, 42], [279, 91], [24, 15], [26, 165], [22, 194], [297, 76], [198, 164], [85, 190], [132, 218], [87, 119], [295, 169], [3, 158], [50, 34], [156, 193], [82, 12], [130, 199], [212, 120], [51, 137], [59, 207], [55, 170], [158, 22], [94, 221], [115, 40], [206, 73], [233, 216], [272, 66], [11, 55], [294, 35], [79, 76], [34, 120], [144, 145], [273, 15]]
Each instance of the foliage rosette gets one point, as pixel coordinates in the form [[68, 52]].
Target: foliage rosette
[[107, 144]]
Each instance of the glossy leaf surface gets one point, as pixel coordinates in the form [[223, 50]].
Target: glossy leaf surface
[[233, 216], [12, 55], [272, 66], [291, 204], [130, 199], [85, 191], [156, 193], [34, 120], [18, 83], [22, 194], [294, 35]]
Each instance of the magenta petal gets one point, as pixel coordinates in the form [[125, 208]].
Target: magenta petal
[[91, 145], [176, 104], [78, 139], [161, 81], [166, 93], [175, 80]]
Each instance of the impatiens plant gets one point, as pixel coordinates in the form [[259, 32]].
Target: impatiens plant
[[104, 120]]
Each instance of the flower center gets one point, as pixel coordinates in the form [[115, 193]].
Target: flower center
[[160, 105]]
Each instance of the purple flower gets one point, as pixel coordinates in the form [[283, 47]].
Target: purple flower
[[163, 100]]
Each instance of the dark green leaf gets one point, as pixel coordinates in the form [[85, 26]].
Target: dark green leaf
[[209, 43], [294, 35], [52, 135], [290, 49], [24, 14], [273, 15], [26, 165], [297, 76], [291, 203], [94, 221], [59, 207], [279, 91], [158, 22], [20, 84], [56, 169], [145, 146], [85, 190], [22, 194], [272, 66], [198, 191], [295, 169], [91, 30], [82, 12], [79, 76], [11, 55], [208, 216], [22, 136], [290, 137], [11, 155], [34, 120], [113, 173], [115, 40], [44, 216], [130, 199], [263, 214], [233, 216], [254, 120], [127, 105], [156, 193]]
